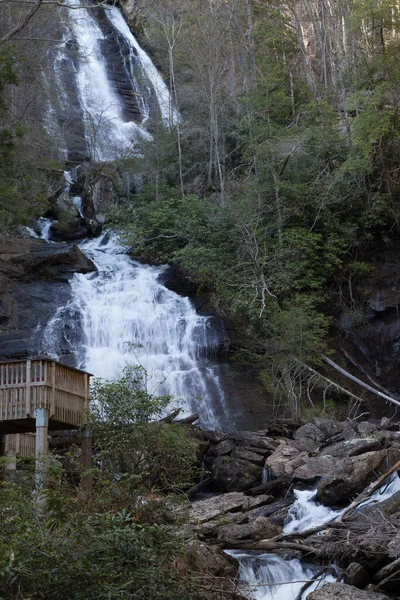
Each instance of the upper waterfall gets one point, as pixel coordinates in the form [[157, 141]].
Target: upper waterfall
[[102, 108]]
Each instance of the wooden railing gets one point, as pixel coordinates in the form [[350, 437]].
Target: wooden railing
[[43, 383]]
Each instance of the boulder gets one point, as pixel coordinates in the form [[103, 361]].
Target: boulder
[[30, 259], [350, 476], [352, 447], [317, 431], [36, 284], [223, 448], [356, 575], [260, 528], [215, 507], [231, 474], [314, 466], [286, 459], [76, 228], [211, 559], [254, 440], [366, 428], [246, 454], [342, 591]]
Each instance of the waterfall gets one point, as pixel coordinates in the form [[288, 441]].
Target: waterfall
[[124, 303], [108, 135], [168, 113]]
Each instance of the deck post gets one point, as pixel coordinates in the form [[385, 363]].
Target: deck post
[[42, 444], [28, 388], [3, 440], [86, 481]]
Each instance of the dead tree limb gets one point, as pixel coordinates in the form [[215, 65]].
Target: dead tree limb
[[366, 386], [367, 493], [22, 24], [332, 383]]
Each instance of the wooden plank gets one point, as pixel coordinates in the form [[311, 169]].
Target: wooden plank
[[53, 385], [28, 389]]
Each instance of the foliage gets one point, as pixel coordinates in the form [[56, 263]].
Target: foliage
[[117, 541], [83, 554], [132, 442], [23, 184]]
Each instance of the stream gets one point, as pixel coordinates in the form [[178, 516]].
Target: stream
[[270, 577]]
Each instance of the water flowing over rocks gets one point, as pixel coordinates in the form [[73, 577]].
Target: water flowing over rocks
[[274, 526]]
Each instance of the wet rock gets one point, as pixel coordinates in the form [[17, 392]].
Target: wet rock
[[231, 474], [260, 528], [36, 284], [30, 259], [342, 591], [75, 229], [350, 476], [356, 575]]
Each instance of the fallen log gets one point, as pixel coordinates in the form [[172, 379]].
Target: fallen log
[[171, 416], [366, 386], [271, 546], [387, 571], [275, 485], [187, 420], [308, 583]]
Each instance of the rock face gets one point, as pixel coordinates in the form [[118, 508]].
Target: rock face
[[35, 278], [351, 476], [372, 341], [234, 474], [341, 591]]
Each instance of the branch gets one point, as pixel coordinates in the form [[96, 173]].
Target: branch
[[367, 493], [23, 23], [356, 380]]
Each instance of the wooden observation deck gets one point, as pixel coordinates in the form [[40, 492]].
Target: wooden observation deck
[[42, 383], [39, 395]]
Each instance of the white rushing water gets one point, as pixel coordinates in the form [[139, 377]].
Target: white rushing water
[[107, 133], [43, 226], [306, 513], [270, 577], [124, 303], [167, 110]]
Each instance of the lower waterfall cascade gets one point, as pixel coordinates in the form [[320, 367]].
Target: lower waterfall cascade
[[123, 303]]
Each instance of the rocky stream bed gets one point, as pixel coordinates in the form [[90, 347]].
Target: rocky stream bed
[[304, 499]]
